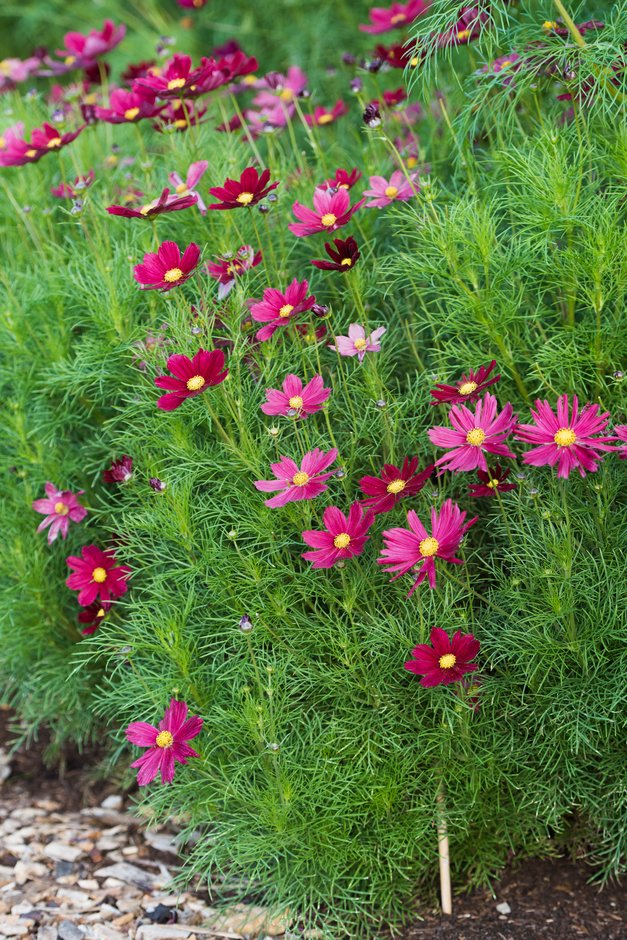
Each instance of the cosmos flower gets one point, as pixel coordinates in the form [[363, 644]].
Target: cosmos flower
[[277, 309], [187, 187], [620, 432], [343, 179], [398, 16], [343, 536], [446, 660], [470, 22], [248, 190], [357, 343], [60, 507], [416, 548], [466, 389], [177, 79], [11, 134], [167, 268], [72, 190], [296, 483], [127, 107], [166, 744], [166, 202], [81, 50], [331, 211], [178, 117], [343, 257], [322, 116], [509, 63], [14, 71], [400, 56], [192, 4], [296, 400], [43, 140], [93, 616], [397, 189], [190, 377], [279, 89], [226, 268], [491, 482], [96, 574], [474, 435], [120, 470], [567, 441], [393, 484]]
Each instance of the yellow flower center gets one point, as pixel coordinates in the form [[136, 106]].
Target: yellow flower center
[[325, 119], [287, 94], [411, 162], [196, 382], [164, 739], [285, 310], [54, 142], [197, 3], [396, 486], [174, 274], [447, 661], [101, 613], [148, 207], [467, 388], [250, 80], [131, 113], [295, 401], [99, 575], [342, 540], [549, 24], [476, 437], [346, 262], [180, 189], [505, 63], [493, 483], [300, 478], [61, 509], [398, 18], [3, 143], [69, 59], [31, 153], [565, 437], [360, 343], [176, 83], [391, 192], [244, 199], [428, 547], [328, 219], [414, 62], [463, 34], [180, 123]]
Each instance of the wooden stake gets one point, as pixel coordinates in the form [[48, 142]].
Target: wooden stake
[[445, 867]]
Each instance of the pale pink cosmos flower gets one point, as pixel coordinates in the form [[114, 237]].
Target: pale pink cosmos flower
[[276, 88], [166, 744], [296, 400], [406, 549], [397, 189], [297, 483], [357, 343], [60, 507], [565, 440], [277, 308], [474, 435], [187, 187], [331, 211]]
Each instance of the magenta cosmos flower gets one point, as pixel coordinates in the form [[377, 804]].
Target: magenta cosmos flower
[[357, 343], [43, 140], [343, 536], [393, 484], [474, 435], [60, 507], [296, 400], [415, 547], [177, 79], [446, 660], [331, 211], [399, 15], [491, 482], [567, 441], [468, 388], [248, 190], [227, 267], [296, 483], [187, 187], [620, 432], [343, 257], [166, 744], [91, 617], [82, 49], [120, 470], [165, 203], [397, 189], [190, 377], [322, 116], [96, 574], [277, 309], [127, 107], [167, 268]]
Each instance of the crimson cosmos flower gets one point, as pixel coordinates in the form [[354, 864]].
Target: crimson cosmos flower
[[296, 400], [343, 179], [466, 389], [93, 616], [248, 190], [393, 484], [397, 16], [177, 79], [323, 116], [166, 744], [96, 574], [277, 309], [344, 536], [127, 107], [474, 435], [167, 268], [60, 507], [446, 660], [120, 470], [343, 257], [190, 377], [331, 210], [491, 481], [43, 140], [165, 203], [297, 483]]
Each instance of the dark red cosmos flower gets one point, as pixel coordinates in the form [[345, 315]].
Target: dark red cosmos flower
[[127, 107], [120, 470], [394, 483], [398, 56], [342, 179], [398, 16], [446, 660], [343, 257], [93, 616], [469, 24], [167, 268], [468, 388], [393, 98], [190, 377], [177, 79], [43, 140], [165, 203], [192, 4], [248, 190], [491, 482], [137, 70], [72, 190], [226, 268], [323, 116], [560, 29], [96, 574]]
